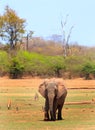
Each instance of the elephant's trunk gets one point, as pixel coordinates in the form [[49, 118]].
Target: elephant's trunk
[[51, 108]]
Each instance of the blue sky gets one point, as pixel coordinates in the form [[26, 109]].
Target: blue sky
[[44, 17]]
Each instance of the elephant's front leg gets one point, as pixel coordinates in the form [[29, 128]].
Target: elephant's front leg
[[59, 113], [46, 114], [54, 111]]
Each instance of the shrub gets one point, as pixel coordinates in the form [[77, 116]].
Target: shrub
[[57, 65], [88, 68], [74, 65], [41, 65], [16, 69], [4, 63]]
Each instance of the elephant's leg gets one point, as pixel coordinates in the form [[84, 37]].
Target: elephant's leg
[[59, 113], [46, 115], [55, 108], [53, 116], [54, 113], [59, 107]]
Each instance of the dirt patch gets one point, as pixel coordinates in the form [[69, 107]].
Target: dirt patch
[[34, 82]]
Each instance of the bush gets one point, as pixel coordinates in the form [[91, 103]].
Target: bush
[[89, 68], [57, 65], [16, 69], [4, 63], [41, 65], [74, 65]]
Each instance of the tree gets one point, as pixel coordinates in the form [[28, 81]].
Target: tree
[[29, 36], [66, 39], [11, 27]]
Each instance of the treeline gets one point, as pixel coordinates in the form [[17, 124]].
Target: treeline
[[25, 63], [51, 47]]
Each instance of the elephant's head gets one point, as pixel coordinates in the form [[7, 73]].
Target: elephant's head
[[51, 91]]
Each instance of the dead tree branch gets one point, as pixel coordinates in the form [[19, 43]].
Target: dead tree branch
[[65, 40]]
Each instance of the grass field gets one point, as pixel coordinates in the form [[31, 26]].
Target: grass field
[[26, 113]]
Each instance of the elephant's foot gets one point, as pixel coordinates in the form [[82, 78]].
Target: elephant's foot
[[53, 119], [60, 118], [46, 119]]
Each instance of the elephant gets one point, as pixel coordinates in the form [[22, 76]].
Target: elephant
[[54, 93]]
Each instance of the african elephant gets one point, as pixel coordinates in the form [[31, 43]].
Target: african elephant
[[54, 93]]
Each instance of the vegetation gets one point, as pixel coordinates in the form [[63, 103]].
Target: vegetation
[[15, 69], [34, 64], [4, 63], [88, 69]]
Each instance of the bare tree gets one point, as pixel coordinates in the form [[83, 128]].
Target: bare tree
[[29, 36], [65, 40]]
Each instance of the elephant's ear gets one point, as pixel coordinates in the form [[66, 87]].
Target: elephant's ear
[[61, 90], [42, 89]]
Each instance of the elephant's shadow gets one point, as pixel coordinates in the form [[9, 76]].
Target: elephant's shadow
[[50, 120]]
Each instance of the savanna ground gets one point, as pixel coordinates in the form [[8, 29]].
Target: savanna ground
[[26, 113]]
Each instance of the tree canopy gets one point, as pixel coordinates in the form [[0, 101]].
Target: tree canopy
[[11, 27]]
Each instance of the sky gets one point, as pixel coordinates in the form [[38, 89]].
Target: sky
[[44, 17]]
